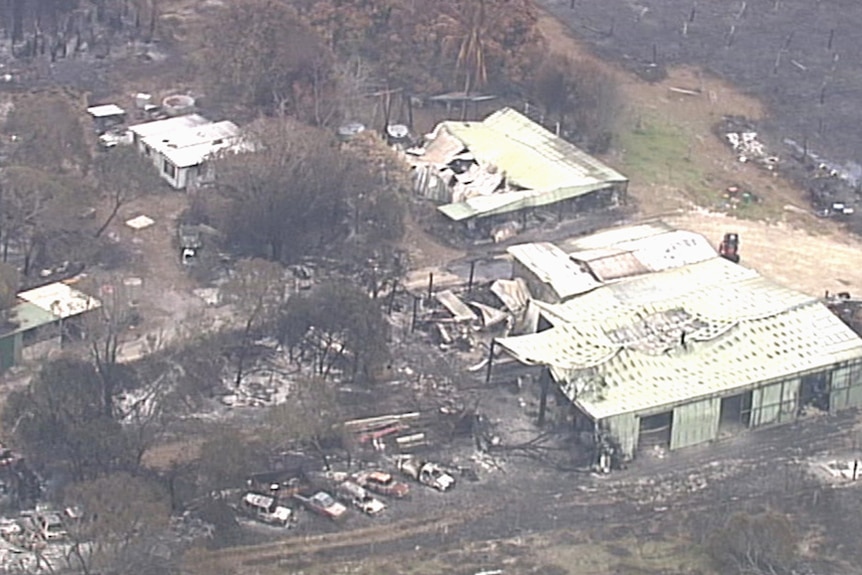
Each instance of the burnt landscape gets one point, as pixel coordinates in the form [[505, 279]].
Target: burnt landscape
[[798, 57], [333, 287]]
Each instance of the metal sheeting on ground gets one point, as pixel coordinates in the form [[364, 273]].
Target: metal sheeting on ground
[[459, 310]]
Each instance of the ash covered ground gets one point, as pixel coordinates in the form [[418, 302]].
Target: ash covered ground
[[800, 57]]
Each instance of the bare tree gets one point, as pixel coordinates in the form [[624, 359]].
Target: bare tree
[[582, 98], [311, 417], [123, 175], [104, 328], [259, 53], [257, 289], [119, 520]]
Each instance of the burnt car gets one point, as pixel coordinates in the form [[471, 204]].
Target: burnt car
[[323, 504], [359, 497], [426, 473], [382, 483]]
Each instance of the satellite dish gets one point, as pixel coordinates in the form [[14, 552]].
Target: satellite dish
[[397, 131]]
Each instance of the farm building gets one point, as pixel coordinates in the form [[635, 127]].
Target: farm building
[[676, 346], [497, 170], [179, 147], [33, 328]]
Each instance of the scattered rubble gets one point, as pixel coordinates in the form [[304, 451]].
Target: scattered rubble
[[749, 149]]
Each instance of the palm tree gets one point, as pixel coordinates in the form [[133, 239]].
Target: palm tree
[[464, 30]]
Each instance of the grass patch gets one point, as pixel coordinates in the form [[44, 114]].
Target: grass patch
[[658, 153]]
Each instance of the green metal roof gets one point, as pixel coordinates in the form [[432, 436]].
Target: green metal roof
[[619, 349], [547, 167], [24, 317], [505, 202]]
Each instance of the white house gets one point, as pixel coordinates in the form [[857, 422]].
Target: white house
[[180, 146]]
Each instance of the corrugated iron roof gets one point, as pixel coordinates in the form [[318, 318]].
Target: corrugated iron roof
[[620, 348], [105, 111], [554, 267], [60, 299], [149, 129], [545, 166], [506, 202], [24, 317], [459, 310], [614, 256], [613, 236]]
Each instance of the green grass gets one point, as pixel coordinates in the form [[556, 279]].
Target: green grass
[[656, 152]]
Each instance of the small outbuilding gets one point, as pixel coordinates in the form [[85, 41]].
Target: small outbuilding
[[33, 329], [106, 116], [179, 147]]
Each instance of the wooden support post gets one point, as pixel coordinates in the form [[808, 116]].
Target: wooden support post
[[430, 285], [470, 280], [391, 302], [415, 311], [490, 362], [544, 384]]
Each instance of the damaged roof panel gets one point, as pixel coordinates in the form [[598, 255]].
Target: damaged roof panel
[[614, 236], [506, 202], [621, 253], [620, 348], [459, 310], [615, 266], [442, 149], [545, 167], [554, 267]]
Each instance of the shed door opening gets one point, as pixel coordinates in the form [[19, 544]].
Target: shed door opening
[[735, 412], [655, 431], [814, 392]]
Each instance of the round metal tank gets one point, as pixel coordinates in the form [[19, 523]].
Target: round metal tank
[[178, 105]]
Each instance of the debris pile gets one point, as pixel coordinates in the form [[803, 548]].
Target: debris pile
[[749, 149]]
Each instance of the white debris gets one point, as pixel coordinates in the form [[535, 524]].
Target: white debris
[[140, 222], [749, 149]]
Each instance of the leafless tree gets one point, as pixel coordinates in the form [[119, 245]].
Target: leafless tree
[[257, 289]]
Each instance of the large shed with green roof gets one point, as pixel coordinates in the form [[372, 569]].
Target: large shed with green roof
[[676, 357], [507, 163]]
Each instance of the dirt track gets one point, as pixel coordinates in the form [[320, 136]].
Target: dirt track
[[683, 494]]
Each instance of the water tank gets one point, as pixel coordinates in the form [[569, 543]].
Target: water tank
[[178, 105]]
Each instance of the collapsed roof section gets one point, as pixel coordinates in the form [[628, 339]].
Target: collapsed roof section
[[504, 164]]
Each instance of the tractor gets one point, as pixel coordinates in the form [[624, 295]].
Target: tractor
[[729, 248]]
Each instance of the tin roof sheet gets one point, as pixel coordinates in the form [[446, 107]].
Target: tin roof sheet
[[105, 111], [554, 267], [159, 127], [60, 299], [546, 166], [24, 317], [656, 250]]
